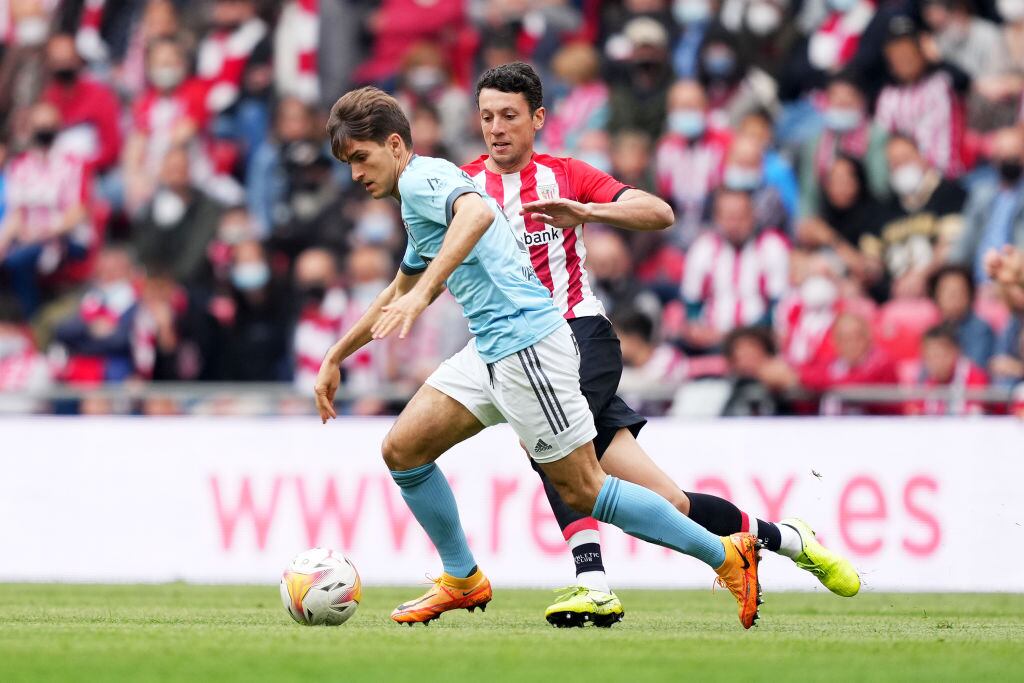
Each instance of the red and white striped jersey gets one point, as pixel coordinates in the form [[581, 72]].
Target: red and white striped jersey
[[558, 256], [736, 285], [930, 113], [43, 186]]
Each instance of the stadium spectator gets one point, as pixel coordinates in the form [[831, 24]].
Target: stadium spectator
[[692, 18], [267, 184], [246, 339], [46, 222], [159, 21], [295, 51], [425, 122], [611, 274], [994, 214], [322, 305], [633, 159], [920, 101], [175, 229], [583, 107], [22, 366], [848, 130], [99, 339], [854, 359], [638, 93], [734, 88], [849, 216], [171, 112], [745, 172], [952, 289], [924, 221], [734, 276], [234, 60], [88, 109], [749, 352], [945, 367], [646, 361], [426, 77], [1001, 92], [805, 314], [165, 347], [1006, 268], [777, 171]]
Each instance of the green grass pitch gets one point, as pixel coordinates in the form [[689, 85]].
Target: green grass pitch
[[209, 633]]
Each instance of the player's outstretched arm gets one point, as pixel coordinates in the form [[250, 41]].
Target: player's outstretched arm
[[634, 210], [329, 378], [472, 218]]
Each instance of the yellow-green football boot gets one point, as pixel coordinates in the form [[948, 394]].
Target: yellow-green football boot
[[833, 570], [579, 606]]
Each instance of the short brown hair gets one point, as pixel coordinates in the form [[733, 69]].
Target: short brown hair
[[366, 114]]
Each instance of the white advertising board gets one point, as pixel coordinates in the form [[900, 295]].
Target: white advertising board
[[917, 504]]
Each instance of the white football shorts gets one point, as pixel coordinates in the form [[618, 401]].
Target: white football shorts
[[536, 390]]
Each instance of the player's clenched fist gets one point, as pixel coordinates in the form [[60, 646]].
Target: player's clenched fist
[[327, 382]]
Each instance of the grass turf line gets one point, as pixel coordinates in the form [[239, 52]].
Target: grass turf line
[[180, 632]]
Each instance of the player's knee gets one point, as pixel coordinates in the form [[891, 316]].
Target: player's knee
[[580, 494], [395, 456]]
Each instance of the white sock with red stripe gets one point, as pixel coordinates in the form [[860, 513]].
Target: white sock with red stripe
[[585, 543]]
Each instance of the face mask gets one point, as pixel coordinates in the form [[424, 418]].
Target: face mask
[[250, 276], [1011, 10], [743, 179], [818, 292], [599, 160], [906, 178], [118, 296], [423, 79], [44, 137], [31, 31], [719, 64], [763, 18], [691, 11], [374, 228], [842, 120], [1010, 170], [166, 77], [842, 5], [312, 294], [687, 122], [65, 76], [168, 208]]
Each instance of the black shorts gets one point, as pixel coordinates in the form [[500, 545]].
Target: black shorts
[[600, 371]]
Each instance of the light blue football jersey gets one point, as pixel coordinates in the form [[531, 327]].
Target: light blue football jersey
[[507, 306]]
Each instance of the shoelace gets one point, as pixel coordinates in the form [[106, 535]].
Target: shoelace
[[568, 592]]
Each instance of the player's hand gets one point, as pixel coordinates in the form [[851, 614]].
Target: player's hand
[[559, 213], [327, 382], [399, 315]]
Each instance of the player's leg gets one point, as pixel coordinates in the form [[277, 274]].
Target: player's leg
[[792, 538], [538, 392], [449, 408]]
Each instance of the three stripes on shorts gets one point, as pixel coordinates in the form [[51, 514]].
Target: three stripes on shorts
[[545, 394]]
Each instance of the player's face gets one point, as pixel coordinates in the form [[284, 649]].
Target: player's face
[[374, 165], [508, 127]]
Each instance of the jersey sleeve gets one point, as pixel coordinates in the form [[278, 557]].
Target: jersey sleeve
[[592, 185], [412, 263], [431, 190]]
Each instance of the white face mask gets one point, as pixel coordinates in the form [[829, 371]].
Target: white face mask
[[691, 11], [818, 292], [168, 208], [166, 77], [907, 178], [31, 31], [842, 5], [118, 296], [763, 18], [1011, 10]]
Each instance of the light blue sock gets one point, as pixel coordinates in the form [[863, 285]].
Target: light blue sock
[[428, 495], [644, 514]]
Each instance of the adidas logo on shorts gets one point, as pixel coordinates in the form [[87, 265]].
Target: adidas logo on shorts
[[541, 447]]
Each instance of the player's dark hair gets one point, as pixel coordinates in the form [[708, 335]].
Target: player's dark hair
[[635, 323], [951, 270], [517, 77], [366, 114], [758, 334], [946, 331]]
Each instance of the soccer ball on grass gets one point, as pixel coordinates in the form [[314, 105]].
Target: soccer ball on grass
[[321, 586]]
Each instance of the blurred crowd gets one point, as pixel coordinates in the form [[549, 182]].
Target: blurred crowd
[[838, 170]]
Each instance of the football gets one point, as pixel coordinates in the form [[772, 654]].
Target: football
[[321, 587]]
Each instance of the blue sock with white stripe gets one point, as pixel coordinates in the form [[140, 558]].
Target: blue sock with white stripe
[[643, 513], [428, 495]]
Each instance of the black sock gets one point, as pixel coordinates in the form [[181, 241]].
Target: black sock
[[721, 517], [588, 558]]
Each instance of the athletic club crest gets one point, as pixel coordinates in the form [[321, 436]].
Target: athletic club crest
[[547, 191]]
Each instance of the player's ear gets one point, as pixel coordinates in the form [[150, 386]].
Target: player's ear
[[539, 117], [394, 144]]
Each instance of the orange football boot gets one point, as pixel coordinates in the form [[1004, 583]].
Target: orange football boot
[[739, 574], [447, 593]]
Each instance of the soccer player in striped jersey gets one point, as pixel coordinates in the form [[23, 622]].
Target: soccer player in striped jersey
[[548, 200]]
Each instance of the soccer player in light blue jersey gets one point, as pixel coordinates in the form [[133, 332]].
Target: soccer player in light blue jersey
[[521, 367]]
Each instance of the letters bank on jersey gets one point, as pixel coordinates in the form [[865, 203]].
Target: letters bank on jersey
[[912, 502]]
